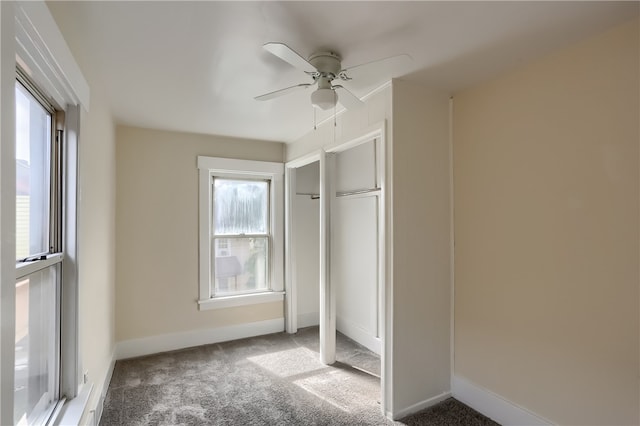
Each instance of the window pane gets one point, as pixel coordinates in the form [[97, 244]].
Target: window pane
[[35, 345], [240, 265], [33, 148], [240, 206]]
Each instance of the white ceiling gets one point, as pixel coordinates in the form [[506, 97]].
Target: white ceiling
[[196, 66]]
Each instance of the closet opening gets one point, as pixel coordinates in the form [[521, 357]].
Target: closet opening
[[335, 261]]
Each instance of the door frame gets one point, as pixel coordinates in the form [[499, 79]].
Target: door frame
[[327, 308], [290, 297]]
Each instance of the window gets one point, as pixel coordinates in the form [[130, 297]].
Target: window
[[241, 235], [241, 226], [38, 258], [39, 272]]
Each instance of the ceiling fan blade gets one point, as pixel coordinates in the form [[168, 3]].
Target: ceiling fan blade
[[390, 63], [346, 98], [282, 92], [290, 56]]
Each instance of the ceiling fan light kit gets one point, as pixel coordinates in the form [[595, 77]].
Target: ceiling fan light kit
[[323, 68], [324, 98]]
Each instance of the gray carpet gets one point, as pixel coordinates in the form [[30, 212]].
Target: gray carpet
[[267, 380]]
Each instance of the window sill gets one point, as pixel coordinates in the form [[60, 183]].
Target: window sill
[[240, 300], [73, 409]]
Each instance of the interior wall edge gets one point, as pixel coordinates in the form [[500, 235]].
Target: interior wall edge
[[493, 405], [419, 406], [206, 136], [7, 210], [452, 250], [358, 334], [97, 406], [170, 342], [308, 319], [421, 294]]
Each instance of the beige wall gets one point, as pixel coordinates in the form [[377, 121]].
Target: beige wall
[[96, 226], [421, 244], [96, 243], [546, 226], [157, 232]]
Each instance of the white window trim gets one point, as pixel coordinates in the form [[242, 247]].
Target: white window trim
[[41, 49], [214, 166], [30, 37]]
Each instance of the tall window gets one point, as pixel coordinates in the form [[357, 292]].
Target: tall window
[[38, 258], [241, 236], [240, 232]]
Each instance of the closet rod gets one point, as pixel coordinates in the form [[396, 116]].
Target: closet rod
[[359, 192], [346, 193]]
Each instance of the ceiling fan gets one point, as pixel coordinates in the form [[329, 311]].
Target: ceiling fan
[[323, 67]]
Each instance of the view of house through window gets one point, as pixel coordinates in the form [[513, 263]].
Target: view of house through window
[[36, 387], [241, 237]]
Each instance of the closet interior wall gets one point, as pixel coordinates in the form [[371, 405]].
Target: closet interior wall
[[354, 244], [306, 232]]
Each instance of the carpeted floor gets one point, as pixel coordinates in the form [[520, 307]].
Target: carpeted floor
[[267, 380]]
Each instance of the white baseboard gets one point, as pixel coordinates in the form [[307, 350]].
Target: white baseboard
[[396, 415], [493, 405], [170, 342], [308, 319], [80, 407], [103, 392], [351, 330]]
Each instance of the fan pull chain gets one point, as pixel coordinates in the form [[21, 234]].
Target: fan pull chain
[[335, 107], [335, 103], [314, 118]]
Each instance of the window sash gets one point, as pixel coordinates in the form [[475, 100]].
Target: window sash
[[237, 262], [39, 292], [38, 205], [246, 279], [267, 218], [41, 273]]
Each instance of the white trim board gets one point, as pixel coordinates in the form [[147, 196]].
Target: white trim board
[[493, 405], [98, 409], [358, 334], [240, 300], [171, 342], [77, 407], [43, 51], [419, 406]]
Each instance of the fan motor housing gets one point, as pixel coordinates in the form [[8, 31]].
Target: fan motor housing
[[327, 63]]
